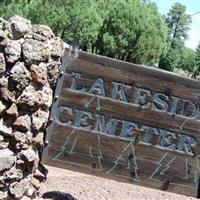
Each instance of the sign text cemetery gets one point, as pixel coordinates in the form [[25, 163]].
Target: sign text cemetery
[[126, 122]]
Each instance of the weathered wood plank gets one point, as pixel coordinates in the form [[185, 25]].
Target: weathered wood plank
[[126, 122]]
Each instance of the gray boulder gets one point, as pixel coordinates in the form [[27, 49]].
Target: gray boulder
[[23, 123], [13, 51], [3, 39], [43, 30], [20, 188], [39, 73], [20, 75], [2, 107], [56, 47], [7, 159], [2, 64], [35, 51], [19, 26], [4, 128], [39, 119]]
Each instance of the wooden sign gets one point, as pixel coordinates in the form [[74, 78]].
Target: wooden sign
[[126, 122]]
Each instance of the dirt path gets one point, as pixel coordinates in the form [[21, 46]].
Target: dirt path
[[86, 187]]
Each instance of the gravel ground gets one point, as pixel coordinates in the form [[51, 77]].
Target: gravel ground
[[77, 186]]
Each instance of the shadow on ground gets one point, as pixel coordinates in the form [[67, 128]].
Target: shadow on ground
[[56, 195]]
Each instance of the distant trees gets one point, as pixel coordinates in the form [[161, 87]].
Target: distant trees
[[197, 63], [178, 22], [130, 30], [187, 62], [138, 36], [49, 12]]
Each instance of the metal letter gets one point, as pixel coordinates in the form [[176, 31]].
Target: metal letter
[[166, 139], [174, 105], [58, 115], [118, 91], [82, 119], [160, 102], [128, 129], [141, 97], [108, 128], [147, 139], [98, 87], [190, 109], [186, 143]]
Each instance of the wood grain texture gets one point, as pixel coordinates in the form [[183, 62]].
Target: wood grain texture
[[125, 122]]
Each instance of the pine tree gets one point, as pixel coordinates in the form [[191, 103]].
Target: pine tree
[[178, 22]]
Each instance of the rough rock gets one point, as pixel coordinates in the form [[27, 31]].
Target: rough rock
[[41, 98], [35, 51], [28, 96], [19, 136], [38, 139], [20, 75], [14, 173], [3, 143], [12, 111], [3, 81], [56, 47], [39, 73], [4, 129], [7, 95], [6, 27], [7, 159], [31, 97], [46, 96], [19, 26], [43, 30], [39, 119], [19, 189], [2, 107], [36, 36], [29, 155], [13, 51], [30, 59], [1, 138], [23, 123], [53, 73], [2, 182], [2, 23], [36, 183], [3, 194], [27, 198], [2, 64], [3, 39]]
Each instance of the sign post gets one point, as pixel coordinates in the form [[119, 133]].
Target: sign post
[[126, 122]]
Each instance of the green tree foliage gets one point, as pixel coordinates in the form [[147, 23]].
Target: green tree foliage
[[187, 59], [49, 12], [83, 23], [197, 63], [130, 30], [138, 36], [171, 59], [178, 22]]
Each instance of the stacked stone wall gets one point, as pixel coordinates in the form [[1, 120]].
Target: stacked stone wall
[[30, 59]]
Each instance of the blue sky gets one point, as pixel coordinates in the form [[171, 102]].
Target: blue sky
[[192, 7]]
